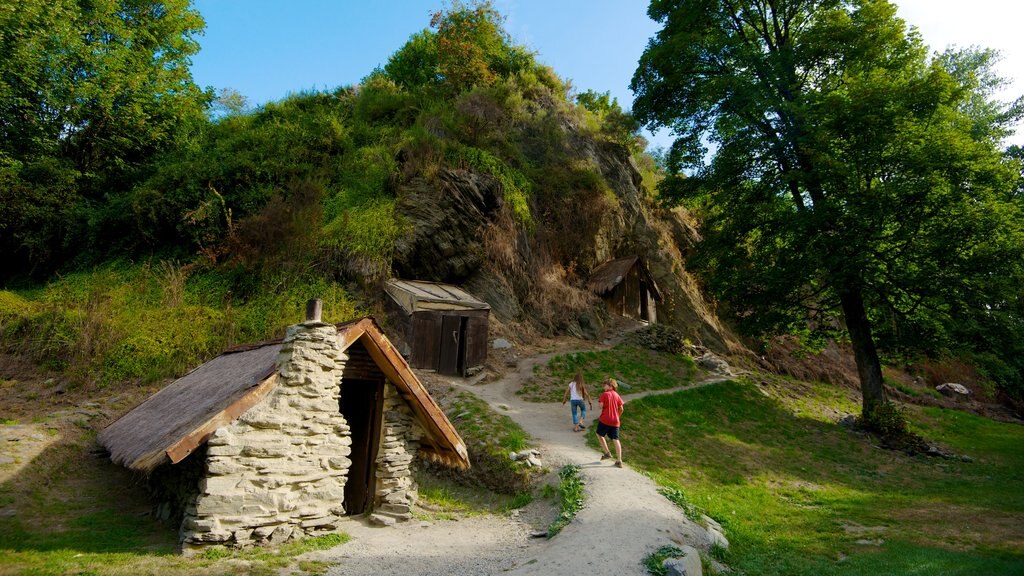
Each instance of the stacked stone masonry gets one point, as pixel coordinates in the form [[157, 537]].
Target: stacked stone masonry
[[279, 471], [395, 493]]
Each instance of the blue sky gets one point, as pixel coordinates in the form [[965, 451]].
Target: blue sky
[[267, 49]]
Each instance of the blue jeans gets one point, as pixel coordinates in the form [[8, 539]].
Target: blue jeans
[[578, 404]]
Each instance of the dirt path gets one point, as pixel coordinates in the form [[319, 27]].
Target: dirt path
[[624, 519]]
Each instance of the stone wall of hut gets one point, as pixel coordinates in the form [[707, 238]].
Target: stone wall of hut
[[174, 487], [279, 471], [396, 492]]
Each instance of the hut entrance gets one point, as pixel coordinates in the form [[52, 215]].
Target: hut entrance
[[361, 405], [453, 349]]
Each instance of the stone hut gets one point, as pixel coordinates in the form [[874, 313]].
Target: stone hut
[[627, 288], [281, 440], [441, 326]]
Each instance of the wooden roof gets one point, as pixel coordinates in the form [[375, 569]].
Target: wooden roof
[[607, 276], [417, 295], [172, 423]]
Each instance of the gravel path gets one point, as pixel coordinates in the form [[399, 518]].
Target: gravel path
[[624, 519]]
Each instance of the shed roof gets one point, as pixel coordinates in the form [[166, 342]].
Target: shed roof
[[172, 423], [607, 276], [417, 295]]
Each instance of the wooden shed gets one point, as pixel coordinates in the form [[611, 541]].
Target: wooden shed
[[443, 326], [280, 440], [627, 288]]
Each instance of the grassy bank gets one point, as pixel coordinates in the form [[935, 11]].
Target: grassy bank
[[637, 369], [800, 495]]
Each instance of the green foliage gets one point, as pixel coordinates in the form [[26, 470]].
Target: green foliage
[[853, 176], [889, 422], [116, 324], [416, 63], [472, 47], [655, 561], [887, 419], [89, 92], [570, 498], [678, 497], [615, 124], [515, 185]]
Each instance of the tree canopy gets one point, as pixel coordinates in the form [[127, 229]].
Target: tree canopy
[[469, 48], [849, 174], [89, 91]]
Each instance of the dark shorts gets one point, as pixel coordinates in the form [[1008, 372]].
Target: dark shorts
[[611, 432]]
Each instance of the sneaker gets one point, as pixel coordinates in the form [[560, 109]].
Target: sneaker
[[606, 456], [618, 463]]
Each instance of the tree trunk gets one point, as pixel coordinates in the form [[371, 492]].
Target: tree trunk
[[868, 366]]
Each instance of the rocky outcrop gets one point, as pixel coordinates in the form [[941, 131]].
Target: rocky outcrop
[[461, 232], [445, 217]]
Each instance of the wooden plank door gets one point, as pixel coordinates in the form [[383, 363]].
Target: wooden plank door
[[426, 330], [452, 337]]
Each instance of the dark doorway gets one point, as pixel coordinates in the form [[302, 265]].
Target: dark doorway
[[645, 310], [361, 404], [453, 348]]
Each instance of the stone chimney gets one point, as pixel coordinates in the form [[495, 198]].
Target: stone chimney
[[279, 471]]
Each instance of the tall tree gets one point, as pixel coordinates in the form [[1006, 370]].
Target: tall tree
[[89, 91], [850, 174]]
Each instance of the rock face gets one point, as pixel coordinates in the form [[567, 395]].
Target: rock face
[[461, 232], [444, 242]]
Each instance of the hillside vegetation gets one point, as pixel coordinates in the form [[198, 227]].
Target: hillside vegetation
[[462, 160], [147, 225]]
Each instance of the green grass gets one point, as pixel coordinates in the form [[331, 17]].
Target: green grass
[[442, 498], [141, 322], [477, 422], [799, 495], [639, 368], [654, 561], [570, 498]]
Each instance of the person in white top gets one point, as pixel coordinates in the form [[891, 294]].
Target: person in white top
[[578, 397]]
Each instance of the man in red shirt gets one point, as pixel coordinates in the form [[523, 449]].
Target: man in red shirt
[[608, 423]]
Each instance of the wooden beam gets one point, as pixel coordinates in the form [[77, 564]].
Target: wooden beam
[[182, 448], [352, 333], [398, 371]]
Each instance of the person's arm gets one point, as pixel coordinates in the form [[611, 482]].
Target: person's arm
[[566, 395], [589, 398]]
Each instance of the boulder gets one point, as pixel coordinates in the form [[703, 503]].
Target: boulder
[[713, 363], [686, 565], [953, 390]]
